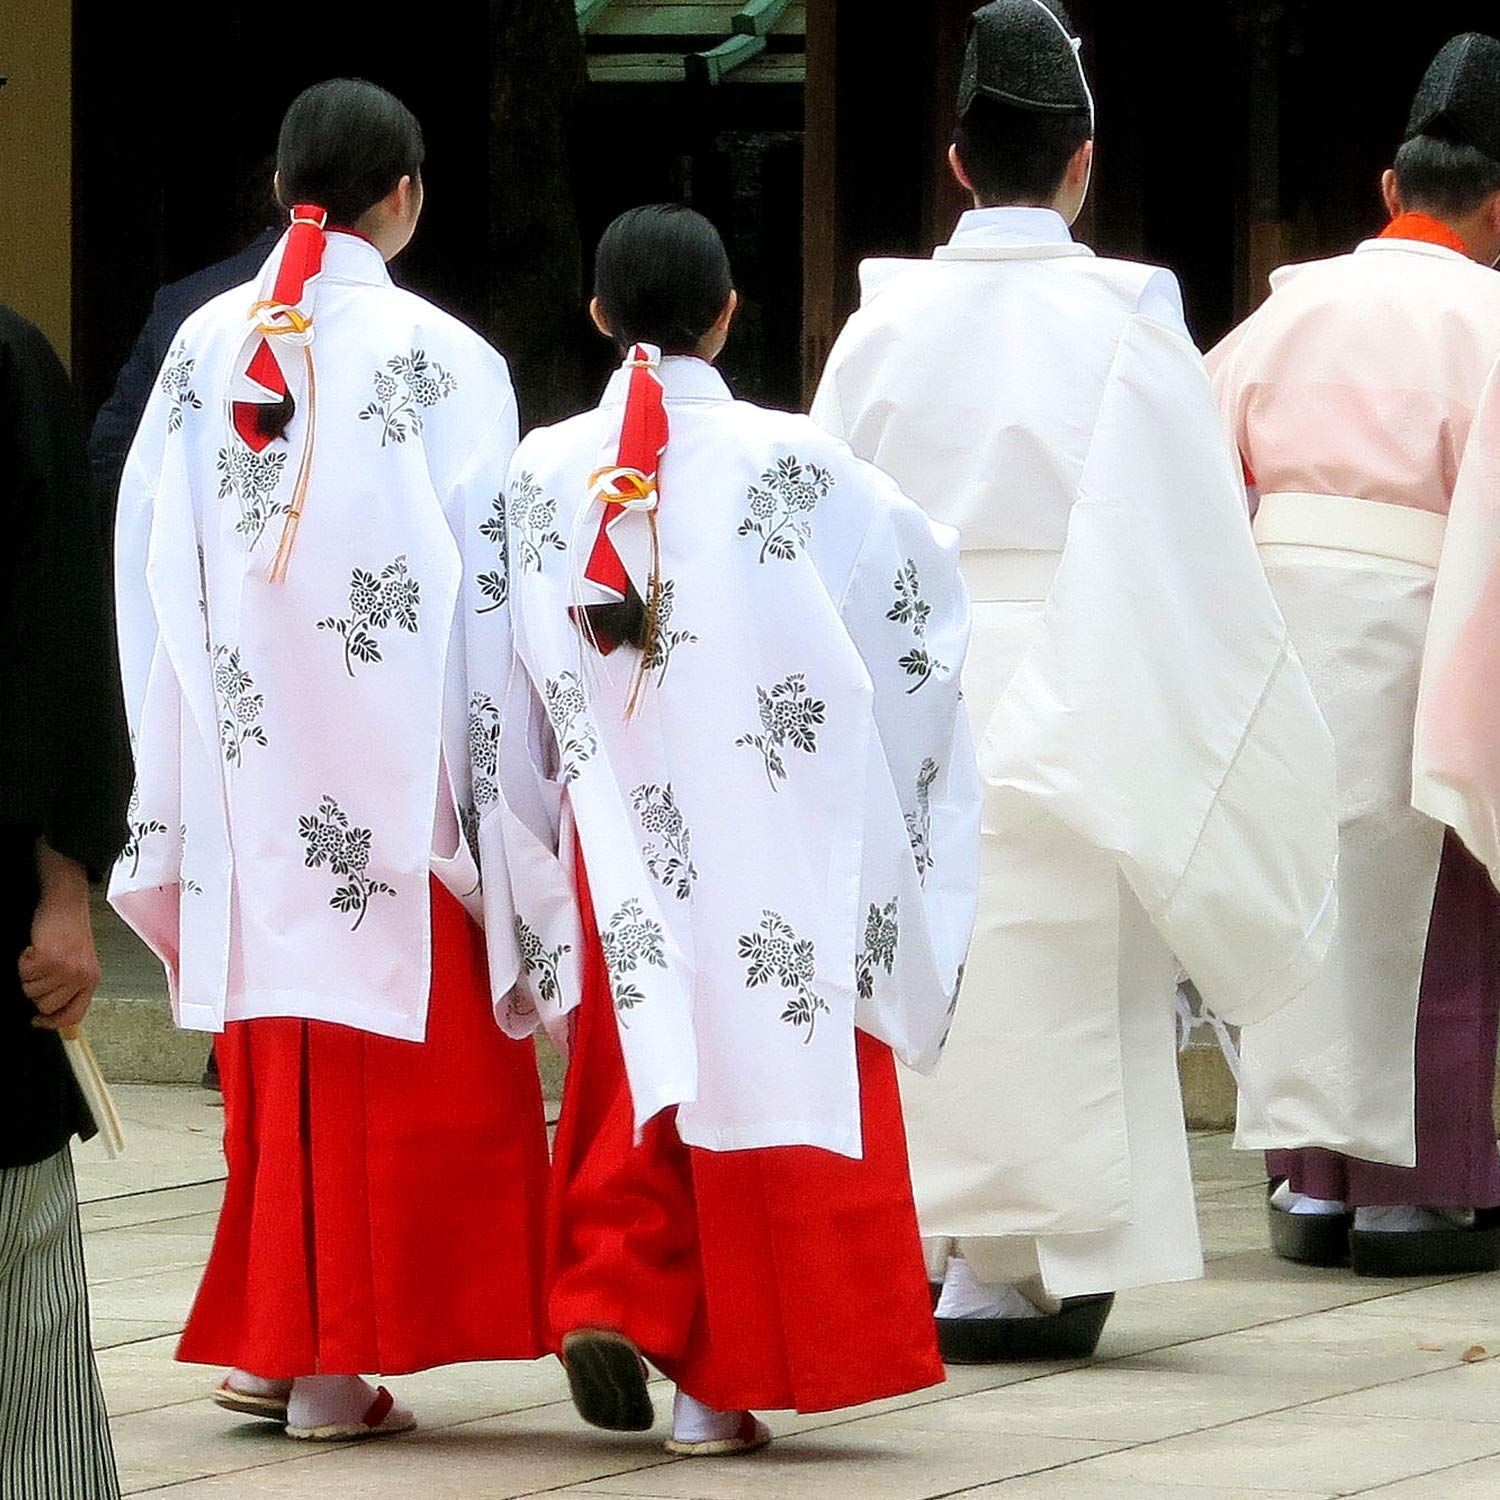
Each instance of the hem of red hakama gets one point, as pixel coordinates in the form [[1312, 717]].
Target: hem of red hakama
[[786, 1278], [384, 1211]]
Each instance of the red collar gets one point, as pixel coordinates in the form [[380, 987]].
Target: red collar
[[1425, 229]]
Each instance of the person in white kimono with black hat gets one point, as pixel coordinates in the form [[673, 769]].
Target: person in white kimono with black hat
[[311, 583], [1158, 776], [743, 847]]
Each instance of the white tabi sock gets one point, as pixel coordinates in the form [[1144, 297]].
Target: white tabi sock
[[966, 1296], [333, 1401], [693, 1422], [257, 1385], [1404, 1218]]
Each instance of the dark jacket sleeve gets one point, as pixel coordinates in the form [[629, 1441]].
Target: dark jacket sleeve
[[114, 427], [65, 769]]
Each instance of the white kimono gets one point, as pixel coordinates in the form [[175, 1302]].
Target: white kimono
[[1350, 394], [1158, 777], [302, 746], [781, 842]]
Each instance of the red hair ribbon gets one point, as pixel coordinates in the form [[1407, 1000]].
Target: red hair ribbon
[[630, 483], [301, 260], [280, 316]]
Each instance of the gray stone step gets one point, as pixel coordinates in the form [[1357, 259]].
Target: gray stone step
[[131, 1029]]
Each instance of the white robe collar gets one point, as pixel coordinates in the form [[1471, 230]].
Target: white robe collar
[[684, 377], [1409, 247], [352, 258], [1013, 233]]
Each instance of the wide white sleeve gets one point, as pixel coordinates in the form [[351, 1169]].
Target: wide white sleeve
[[827, 409], [525, 830], [144, 885], [1163, 715], [907, 612], [479, 695], [1456, 768]]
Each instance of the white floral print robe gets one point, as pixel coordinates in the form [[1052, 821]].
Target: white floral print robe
[[302, 747], [781, 844]]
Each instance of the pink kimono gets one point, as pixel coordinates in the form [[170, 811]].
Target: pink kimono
[[1352, 395]]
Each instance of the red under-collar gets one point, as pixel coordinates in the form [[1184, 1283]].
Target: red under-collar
[[1423, 228]]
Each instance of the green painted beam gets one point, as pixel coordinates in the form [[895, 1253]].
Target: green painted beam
[[757, 17], [589, 11], [714, 66]]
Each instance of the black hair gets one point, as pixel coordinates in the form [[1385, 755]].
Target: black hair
[[1444, 177], [1017, 155], [344, 145], [662, 277]]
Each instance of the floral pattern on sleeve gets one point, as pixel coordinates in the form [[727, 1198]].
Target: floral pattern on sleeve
[[669, 849], [781, 507], [919, 821], [631, 941], [252, 478], [333, 841], [374, 604], [882, 936], [533, 516], [912, 609], [540, 961], [240, 706], [774, 951], [410, 385], [177, 386], [186, 884], [139, 829], [495, 585], [789, 717], [667, 640], [568, 711], [484, 748]]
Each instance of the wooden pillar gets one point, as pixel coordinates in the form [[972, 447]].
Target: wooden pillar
[[1266, 235], [945, 200], [879, 102], [36, 167], [820, 186]]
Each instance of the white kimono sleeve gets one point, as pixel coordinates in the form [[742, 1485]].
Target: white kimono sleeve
[[144, 886], [907, 612], [1456, 771], [476, 502], [526, 835], [1163, 715]]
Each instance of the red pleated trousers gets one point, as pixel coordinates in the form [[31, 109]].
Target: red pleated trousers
[[787, 1278], [385, 1208]]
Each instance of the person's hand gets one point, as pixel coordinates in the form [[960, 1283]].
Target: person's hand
[[59, 971]]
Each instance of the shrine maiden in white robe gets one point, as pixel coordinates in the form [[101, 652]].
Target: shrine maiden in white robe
[[1356, 430], [1157, 776], [302, 746], [781, 843]]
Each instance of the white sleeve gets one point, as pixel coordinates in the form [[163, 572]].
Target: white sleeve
[[483, 655], [1162, 714], [144, 883], [907, 612], [1456, 770]]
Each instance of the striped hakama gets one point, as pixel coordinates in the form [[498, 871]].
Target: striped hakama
[[54, 1435]]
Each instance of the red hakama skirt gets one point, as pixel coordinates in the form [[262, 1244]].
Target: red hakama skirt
[[384, 1211], [770, 1279]]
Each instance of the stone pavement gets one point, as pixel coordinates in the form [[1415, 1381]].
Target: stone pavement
[[1262, 1381]]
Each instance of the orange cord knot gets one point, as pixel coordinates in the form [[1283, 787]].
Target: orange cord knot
[[628, 488], [277, 320]]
